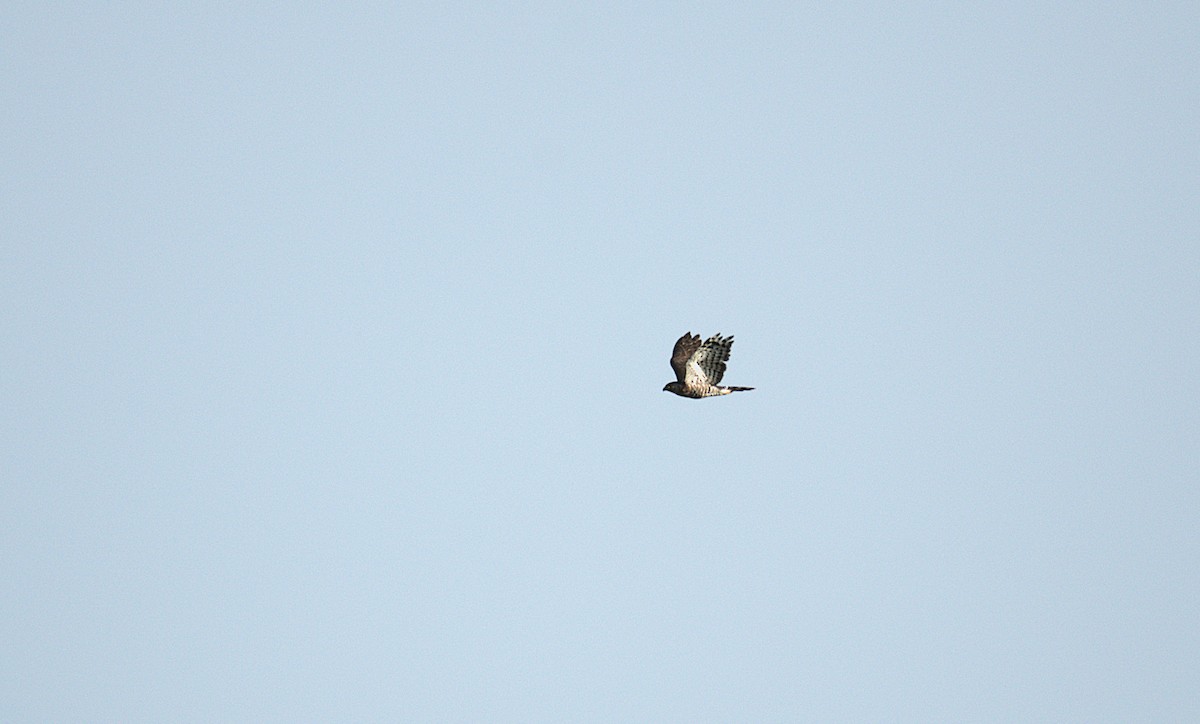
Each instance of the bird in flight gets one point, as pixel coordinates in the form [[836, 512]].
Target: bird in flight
[[699, 367]]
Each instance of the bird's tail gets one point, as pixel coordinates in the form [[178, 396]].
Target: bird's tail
[[737, 389]]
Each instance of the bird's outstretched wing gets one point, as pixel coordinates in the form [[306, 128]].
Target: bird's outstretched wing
[[707, 364], [685, 347]]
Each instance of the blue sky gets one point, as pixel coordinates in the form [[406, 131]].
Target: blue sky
[[334, 341]]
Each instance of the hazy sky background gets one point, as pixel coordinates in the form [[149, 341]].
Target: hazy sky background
[[334, 340]]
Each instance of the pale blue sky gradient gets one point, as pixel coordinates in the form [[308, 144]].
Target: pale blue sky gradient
[[334, 340]]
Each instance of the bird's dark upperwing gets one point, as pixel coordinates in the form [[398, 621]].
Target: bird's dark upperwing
[[685, 347]]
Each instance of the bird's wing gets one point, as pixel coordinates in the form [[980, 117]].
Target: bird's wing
[[707, 365], [685, 347]]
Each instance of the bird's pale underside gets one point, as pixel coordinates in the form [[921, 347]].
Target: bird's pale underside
[[700, 367]]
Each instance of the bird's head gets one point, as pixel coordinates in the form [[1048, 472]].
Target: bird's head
[[672, 387]]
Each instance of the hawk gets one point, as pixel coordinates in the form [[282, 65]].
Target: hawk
[[699, 367]]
